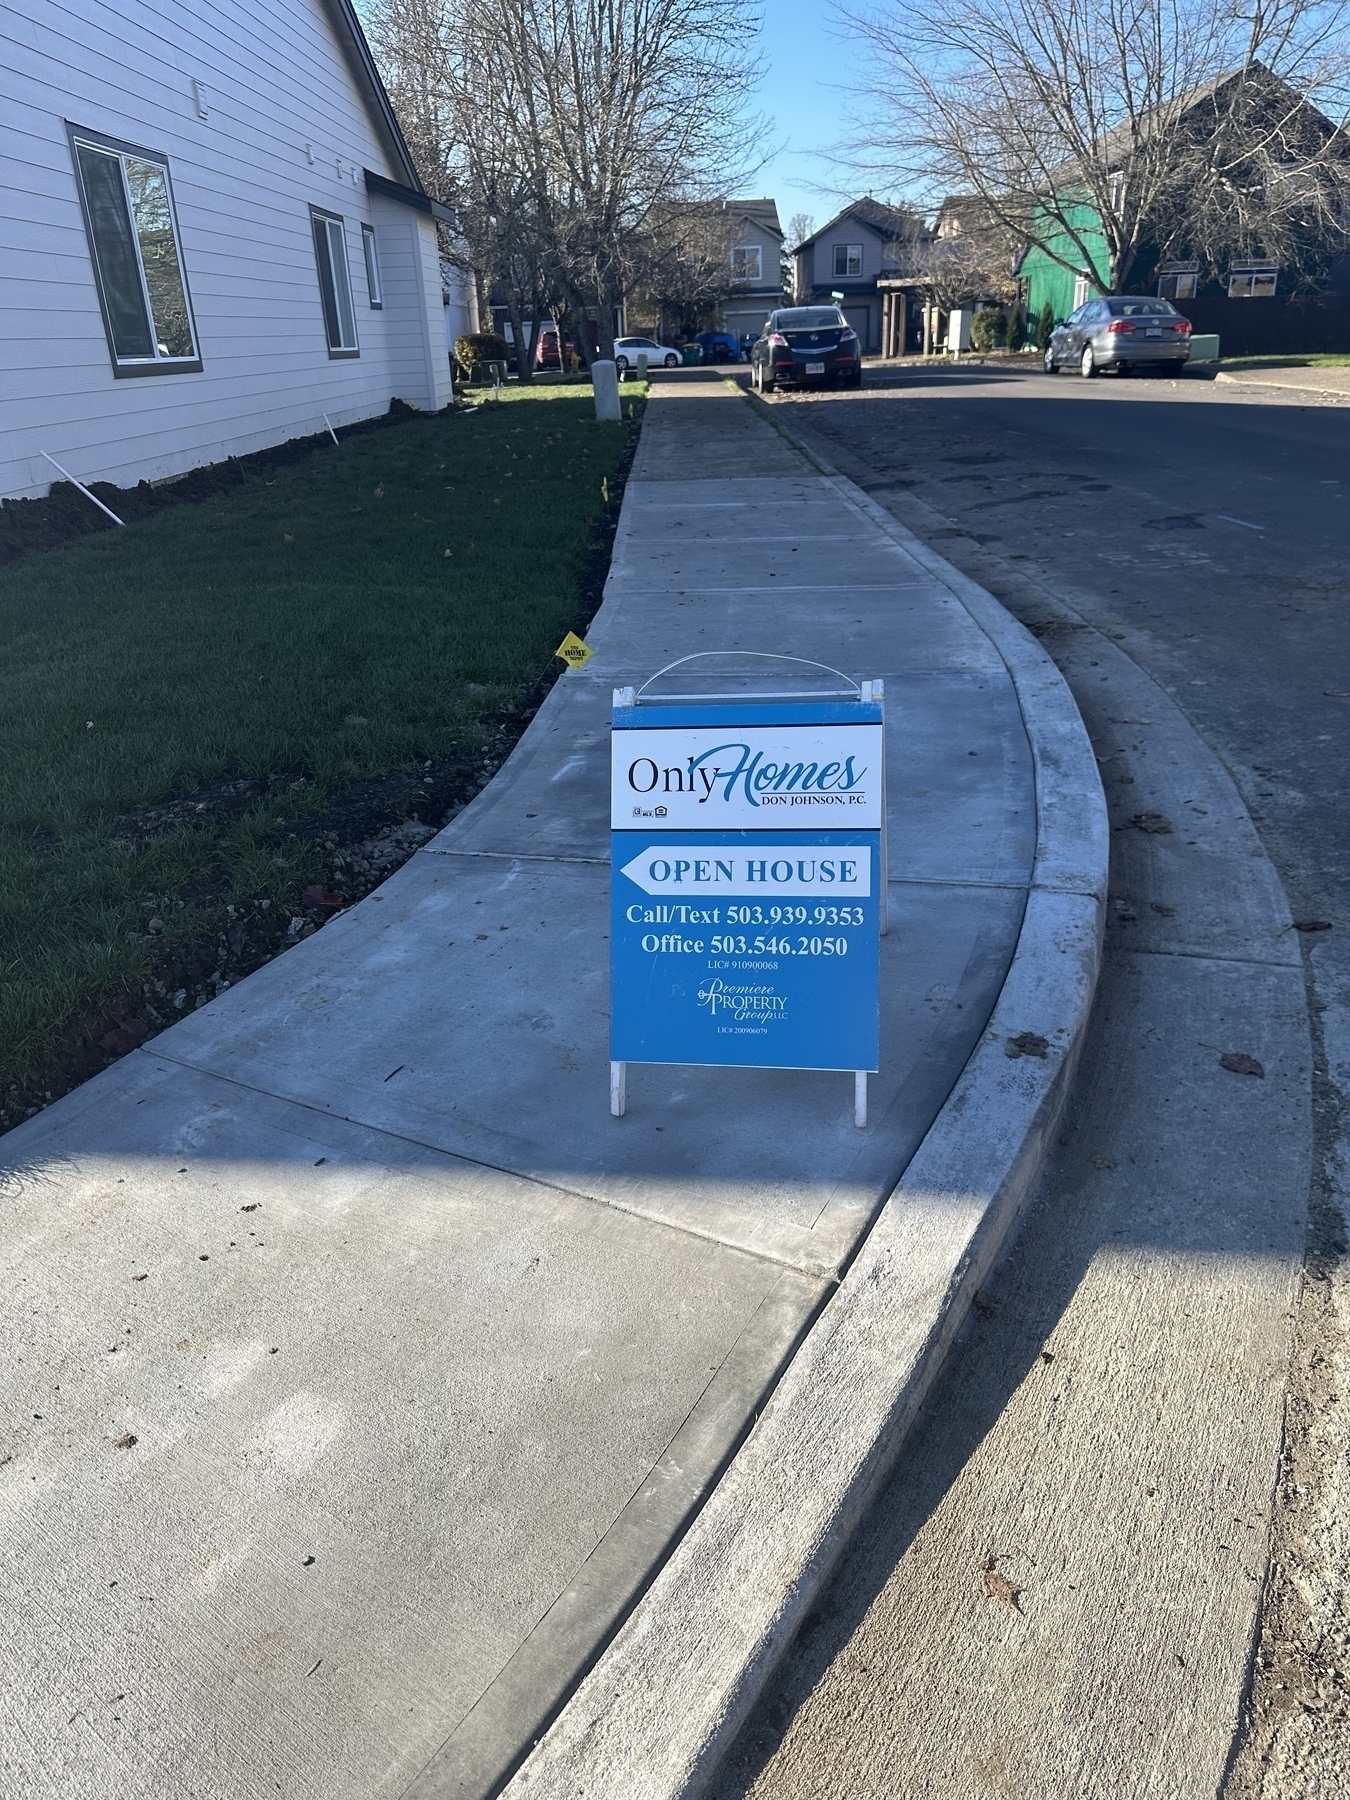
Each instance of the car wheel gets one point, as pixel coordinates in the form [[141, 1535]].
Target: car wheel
[[1048, 362], [672, 362], [1087, 368], [621, 364]]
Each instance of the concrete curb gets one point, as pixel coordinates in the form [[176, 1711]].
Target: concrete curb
[[665, 1701], [1261, 384]]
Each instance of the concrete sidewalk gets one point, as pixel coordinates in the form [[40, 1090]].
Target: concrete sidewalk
[[345, 1504], [1312, 379]]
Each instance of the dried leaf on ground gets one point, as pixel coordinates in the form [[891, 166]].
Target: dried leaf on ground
[[1239, 1063], [324, 898], [1026, 1043], [1155, 822], [1312, 924], [998, 1587]]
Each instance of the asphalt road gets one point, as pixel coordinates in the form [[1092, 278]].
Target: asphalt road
[[1204, 528], [1214, 518]]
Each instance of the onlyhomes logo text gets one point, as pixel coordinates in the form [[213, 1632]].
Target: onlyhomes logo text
[[749, 778]]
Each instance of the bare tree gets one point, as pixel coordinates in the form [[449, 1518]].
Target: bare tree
[[1128, 118], [800, 227], [567, 130], [681, 264]]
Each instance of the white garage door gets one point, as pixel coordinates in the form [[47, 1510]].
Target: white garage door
[[860, 318], [743, 322]]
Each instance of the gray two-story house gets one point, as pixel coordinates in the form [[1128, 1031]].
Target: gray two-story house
[[846, 257], [756, 265]]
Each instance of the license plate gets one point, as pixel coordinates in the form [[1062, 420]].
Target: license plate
[[1157, 333], [815, 368]]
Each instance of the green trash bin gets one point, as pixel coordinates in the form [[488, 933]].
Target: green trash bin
[[692, 353]]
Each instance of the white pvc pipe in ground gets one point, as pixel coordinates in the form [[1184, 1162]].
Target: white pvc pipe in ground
[[605, 381], [85, 491]]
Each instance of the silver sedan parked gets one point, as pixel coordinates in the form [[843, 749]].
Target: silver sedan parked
[[1122, 332]]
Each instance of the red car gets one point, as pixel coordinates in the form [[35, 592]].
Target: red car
[[546, 349]]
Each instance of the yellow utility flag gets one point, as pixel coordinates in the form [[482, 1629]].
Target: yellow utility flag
[[573, 651]]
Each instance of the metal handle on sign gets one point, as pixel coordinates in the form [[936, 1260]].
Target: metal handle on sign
[[852, 691]]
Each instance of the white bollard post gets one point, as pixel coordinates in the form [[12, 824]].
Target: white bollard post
[[642, 365], [605, 381]]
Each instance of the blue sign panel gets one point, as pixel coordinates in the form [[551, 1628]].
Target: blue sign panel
[[747, 884]]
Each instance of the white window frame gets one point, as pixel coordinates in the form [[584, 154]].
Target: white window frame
[[374, 286], [1178, 281], [1083, 289], [329, 232], [848, 254], [158, 361], [1253, 280], [747, 262]]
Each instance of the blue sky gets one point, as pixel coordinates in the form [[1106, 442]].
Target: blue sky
[[805, 95]]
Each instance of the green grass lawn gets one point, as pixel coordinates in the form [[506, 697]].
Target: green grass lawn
[[379, 603]]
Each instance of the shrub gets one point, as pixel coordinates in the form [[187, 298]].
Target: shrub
[[1044, 326], [988, 328], [479, 347], [1017, 329]]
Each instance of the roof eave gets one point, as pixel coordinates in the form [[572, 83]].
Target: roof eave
[[352, 39], [419, 200]]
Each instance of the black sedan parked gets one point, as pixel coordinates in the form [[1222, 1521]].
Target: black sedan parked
[[806, 344]]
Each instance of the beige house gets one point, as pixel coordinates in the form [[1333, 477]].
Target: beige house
[[847, 257], [756, 265]]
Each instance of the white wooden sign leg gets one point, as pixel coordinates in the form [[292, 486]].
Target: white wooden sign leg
[[860, 1098], [618, 1088]]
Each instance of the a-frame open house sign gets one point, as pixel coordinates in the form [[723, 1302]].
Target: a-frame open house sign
[[747, 879]]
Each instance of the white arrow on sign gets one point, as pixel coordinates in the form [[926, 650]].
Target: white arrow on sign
[[822, 871]]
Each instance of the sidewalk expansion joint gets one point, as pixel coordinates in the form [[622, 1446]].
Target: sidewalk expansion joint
[[815, 1270], [781, 587], [973, 881], [1212, 956], [432, 849]]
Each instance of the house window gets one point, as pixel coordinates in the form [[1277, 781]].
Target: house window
[[1252, 280], [138, 265], [1178, 280], [1082, 287], [746, 262], [848, 259], [335, 286], [373, 287]]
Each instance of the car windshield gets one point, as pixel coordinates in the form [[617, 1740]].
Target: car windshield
[[808, 318], [1147, 309]]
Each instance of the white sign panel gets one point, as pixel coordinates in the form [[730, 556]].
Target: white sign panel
[[796, 869], [747, 778]]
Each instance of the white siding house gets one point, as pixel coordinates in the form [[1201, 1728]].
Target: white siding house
[[211, 234]]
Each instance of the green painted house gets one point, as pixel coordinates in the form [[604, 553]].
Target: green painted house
[[1045, 279]]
